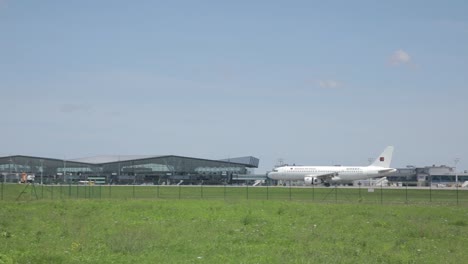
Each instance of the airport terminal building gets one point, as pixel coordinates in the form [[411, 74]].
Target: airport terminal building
[[134, 169], [428, 175]]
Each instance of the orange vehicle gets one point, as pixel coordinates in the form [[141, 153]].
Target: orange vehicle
[[23, 177]]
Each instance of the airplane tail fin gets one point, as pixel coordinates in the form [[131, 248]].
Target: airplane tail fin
[[384, 159]]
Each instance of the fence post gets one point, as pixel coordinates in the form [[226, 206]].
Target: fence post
[[2, 186], [381, 193], [224, 191], [430, 193], [336, 193], [179, 192], [247, 190], [201, 191], [313, 191], [134, 190], [457, 192], [267, 192], [406, 192], [69, 190], [289, 190], [360, 197], [52, 191]]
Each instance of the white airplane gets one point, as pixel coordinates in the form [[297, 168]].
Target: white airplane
[[335, 174]]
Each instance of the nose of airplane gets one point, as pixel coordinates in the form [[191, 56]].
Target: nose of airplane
[[271, 174]]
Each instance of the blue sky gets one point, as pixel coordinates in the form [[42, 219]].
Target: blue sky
[[311, 82]]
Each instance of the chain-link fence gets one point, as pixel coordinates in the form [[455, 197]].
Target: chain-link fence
[[334, 194]]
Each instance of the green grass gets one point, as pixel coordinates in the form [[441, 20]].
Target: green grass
[[231, 231], [195, 224]]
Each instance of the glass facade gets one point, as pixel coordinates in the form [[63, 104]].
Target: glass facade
[[151, 170]]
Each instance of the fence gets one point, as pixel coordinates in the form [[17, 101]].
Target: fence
[[334, 194]]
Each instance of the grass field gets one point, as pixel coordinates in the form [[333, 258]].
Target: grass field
[[95, 224], [234, 231]]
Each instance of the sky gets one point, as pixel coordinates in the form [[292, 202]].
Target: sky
[[307, 82]]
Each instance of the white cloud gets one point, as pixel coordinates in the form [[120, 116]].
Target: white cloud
[[400, 57], [329, 84]]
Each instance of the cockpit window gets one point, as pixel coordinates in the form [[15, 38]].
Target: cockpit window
[[275, 170]]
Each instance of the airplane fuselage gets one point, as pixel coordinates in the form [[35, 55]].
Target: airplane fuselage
[[337, 173]]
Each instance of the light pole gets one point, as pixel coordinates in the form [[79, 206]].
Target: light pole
[[42, 170], [456, 160], [11, 161], [64, 168]]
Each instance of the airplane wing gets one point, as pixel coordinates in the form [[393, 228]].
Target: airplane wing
[[326, 177], [386, 170]]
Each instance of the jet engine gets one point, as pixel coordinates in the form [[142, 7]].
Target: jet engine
[[312, 180]]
